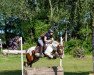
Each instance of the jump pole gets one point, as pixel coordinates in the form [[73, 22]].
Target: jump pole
[[21, 55]]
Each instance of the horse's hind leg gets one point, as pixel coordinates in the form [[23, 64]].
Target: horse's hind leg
[[25, 64], [29, 59], [29, 64]]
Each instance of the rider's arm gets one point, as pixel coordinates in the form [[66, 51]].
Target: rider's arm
[[47, 41]]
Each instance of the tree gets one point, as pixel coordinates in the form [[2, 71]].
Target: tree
[[2, 26], [12, 28], [93, 34]]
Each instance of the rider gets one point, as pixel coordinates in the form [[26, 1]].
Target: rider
[[44, 40], [48, 37]]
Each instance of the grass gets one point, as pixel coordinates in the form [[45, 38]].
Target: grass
[[71, 66], [11, 65], [74, 66]]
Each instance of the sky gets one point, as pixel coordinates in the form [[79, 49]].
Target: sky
[[1, 31]]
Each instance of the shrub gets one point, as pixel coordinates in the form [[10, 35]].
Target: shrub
[[71, 44], [27, 45], [40, 28], [78, 52], [87, 45]]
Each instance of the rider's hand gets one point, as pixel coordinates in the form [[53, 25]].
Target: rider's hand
[[51, 41]]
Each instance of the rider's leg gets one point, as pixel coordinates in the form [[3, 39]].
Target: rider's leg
[[41, 46], [41, 50]]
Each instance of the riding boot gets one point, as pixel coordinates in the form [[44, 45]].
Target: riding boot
[[41, 51]]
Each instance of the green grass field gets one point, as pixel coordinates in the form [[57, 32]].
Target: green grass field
[[11, 65]]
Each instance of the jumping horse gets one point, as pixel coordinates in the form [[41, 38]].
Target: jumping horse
[[54, 50]]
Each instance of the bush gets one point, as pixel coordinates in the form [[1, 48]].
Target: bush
[[40, 28], [78, 52], [71, 44], [27, 45], [87, 45]]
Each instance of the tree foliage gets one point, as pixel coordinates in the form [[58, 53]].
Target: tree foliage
[[72, 17]]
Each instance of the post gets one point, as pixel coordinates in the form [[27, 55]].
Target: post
[[21, 55], [93, 36], [93, 44], [61, 41], [61, 44], [66, 36], [60, 62]]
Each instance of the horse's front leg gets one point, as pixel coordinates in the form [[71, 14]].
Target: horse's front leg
[[26, 64], [30, 64]]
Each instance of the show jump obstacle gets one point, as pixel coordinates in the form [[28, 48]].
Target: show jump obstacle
[[44, 71], [6, 51], [55, 70]]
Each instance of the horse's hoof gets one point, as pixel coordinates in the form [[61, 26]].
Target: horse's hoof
[[24, 64]]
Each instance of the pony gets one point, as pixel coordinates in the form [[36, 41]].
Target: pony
[[53, 50]]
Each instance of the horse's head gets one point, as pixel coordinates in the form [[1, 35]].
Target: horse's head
[[60, 50]]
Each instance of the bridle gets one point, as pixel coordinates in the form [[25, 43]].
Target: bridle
[[60, 50]]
